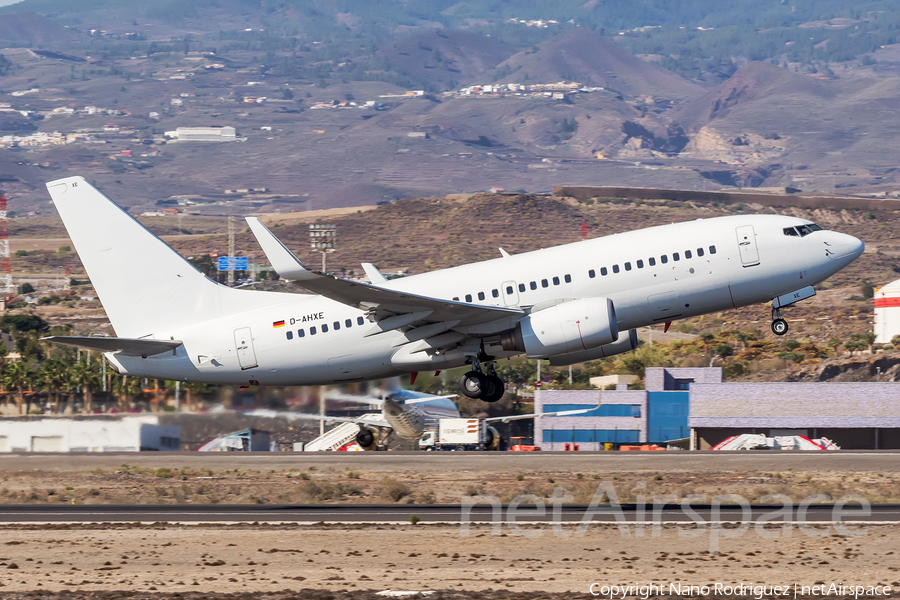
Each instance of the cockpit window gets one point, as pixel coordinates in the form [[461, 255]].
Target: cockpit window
[[801, 230]]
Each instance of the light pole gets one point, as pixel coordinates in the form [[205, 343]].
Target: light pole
[[323, 238]]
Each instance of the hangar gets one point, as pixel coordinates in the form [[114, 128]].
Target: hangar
[[696, 405]]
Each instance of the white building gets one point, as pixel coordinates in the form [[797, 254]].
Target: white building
[[203, 134], [129, 434], [887, 312]]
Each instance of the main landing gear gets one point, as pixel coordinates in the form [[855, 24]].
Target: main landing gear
[[479, 385], [779, 325]]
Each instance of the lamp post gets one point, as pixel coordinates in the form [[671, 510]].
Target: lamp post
[[323, 238]]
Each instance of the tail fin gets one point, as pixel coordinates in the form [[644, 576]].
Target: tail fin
[[146, 287]]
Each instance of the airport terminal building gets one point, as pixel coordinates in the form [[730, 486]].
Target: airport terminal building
[[696, 407]]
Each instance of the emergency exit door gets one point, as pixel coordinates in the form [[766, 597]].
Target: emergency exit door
[[746, 238], [243, 343]]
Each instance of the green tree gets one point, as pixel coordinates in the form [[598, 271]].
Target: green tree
[[867, 289], [83, 374], [16, 376], [518, 373]]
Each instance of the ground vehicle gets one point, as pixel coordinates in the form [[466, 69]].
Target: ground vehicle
[[460, 434], [523, 444]]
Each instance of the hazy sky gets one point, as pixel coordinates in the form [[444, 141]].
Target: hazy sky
[[7, 2]]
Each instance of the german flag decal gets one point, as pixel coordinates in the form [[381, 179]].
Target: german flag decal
[[278, 324]]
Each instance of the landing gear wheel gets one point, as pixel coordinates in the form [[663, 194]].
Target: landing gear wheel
[[779, 327], [473, 384], [494, 390]]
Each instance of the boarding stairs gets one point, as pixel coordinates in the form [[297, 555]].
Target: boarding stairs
[[338, 437]]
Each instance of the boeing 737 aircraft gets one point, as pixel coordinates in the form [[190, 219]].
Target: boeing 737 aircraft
[[569, 304]]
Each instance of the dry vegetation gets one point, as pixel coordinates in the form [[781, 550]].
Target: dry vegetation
[[185, 485]]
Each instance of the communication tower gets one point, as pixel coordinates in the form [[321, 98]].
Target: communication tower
[[230, 251], [6, 283]]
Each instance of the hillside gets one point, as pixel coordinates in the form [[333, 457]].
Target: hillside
[[446, 59], [31, 29], [583, 56]]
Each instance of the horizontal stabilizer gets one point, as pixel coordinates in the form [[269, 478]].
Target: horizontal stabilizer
[[124, 346], [381, 300]]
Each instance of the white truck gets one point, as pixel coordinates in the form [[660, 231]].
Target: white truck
[[460, 434]]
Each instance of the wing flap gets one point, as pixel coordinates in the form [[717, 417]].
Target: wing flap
[[124, 346]]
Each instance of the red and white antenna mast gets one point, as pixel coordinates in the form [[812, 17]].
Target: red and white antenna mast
[[6, 283]]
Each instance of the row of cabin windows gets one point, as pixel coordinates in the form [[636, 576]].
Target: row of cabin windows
[[652, 261], [495, 293], [348, 323]]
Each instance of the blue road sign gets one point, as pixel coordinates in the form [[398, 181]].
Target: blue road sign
[[241, 263]]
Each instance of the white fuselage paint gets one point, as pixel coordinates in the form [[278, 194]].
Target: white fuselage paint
[[767, 265]]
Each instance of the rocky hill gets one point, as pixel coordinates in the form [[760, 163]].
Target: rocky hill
[[864, 367]]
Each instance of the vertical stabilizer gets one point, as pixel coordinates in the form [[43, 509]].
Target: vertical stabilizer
[[146, 287]]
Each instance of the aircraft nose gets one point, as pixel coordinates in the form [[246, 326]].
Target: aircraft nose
[[847, 247]]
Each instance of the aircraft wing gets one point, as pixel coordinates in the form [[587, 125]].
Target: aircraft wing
[[561, 413], [124, 346], [368, 400], [363, 296]]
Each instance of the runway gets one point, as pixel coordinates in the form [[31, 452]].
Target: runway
[[452, 514], [885, 461]]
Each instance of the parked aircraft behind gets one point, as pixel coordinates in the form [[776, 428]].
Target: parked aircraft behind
[[571, 303]]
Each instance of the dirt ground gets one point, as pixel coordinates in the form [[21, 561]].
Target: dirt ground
[[225, 559], [368, 483]]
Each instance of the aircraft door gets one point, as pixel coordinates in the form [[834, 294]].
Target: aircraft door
[[746, 238], [510, 293], [243, 343]]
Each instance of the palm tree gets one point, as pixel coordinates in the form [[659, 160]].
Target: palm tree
[[84, 375], [16, 376], [54, 375]]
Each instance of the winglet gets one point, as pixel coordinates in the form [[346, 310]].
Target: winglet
[[375, 276], [285, 263]]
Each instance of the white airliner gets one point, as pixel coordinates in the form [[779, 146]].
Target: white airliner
[[570, 303]]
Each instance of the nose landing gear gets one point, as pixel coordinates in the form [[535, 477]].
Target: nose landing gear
[[779, 325]]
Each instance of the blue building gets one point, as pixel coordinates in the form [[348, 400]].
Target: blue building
[[657, 414]]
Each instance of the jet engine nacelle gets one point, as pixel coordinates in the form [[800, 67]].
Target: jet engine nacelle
[[367, 439], [627, 342], [493, 438], [567, 327]]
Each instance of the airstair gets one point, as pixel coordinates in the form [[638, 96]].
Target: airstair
[[340, 436]]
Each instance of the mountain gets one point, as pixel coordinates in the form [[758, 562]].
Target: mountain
[[30, 29], [446, 59], [586, 57]]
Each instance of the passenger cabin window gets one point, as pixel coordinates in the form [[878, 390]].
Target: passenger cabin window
[[791, 232], [481, 295], [360, 320], [676, 257], [592, 274], [312, 331], [712, 249], [290, 335], [509, 289], [699, 251], [468, 297], [640, 264], [556, 281], [615, 268], [628, 266], [568, 278], [533, 285], [603, 271], [348, 323], [652, 261], [324, 328], [495, 293], [301, 333], [336, 325], [545, 283], [687, 254], [521, 287], [663, 259]]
